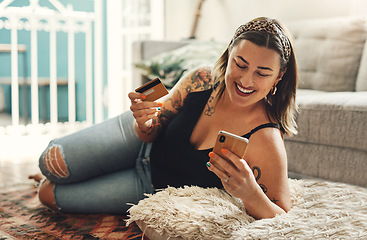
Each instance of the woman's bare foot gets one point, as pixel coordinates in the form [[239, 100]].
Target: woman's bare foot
[[37, 177]]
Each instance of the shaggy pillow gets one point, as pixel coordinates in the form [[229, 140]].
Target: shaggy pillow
[[320, 210], [170, 66], [329, 52]]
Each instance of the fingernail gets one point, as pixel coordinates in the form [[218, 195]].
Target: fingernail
[[143, 97], [156, 114], [160, 104], [211, 154], [224, 151], [208, 164]]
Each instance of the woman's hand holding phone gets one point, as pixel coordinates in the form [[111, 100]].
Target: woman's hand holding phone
[[227, 162], [236, 144]]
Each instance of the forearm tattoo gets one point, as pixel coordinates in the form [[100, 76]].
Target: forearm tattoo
[[165, 117], [257, 173], [155, 124]]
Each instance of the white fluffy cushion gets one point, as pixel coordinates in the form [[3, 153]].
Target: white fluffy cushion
[[320, 210], [329, 52]]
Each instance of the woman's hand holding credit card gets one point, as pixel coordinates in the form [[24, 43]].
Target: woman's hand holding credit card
[[144, 109], [152, 90]]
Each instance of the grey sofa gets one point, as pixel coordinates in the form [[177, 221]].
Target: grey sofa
[[332, 98]]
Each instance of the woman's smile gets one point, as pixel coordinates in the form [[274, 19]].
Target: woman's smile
[[242, 91]]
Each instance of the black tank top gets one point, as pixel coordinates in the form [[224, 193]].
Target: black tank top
[[174, 161]]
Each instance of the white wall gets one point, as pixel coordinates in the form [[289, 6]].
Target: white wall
[[220, 18]]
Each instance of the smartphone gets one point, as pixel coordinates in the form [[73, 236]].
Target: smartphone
[[234, 143], [153, 90]]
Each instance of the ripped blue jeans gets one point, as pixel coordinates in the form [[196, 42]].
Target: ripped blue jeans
[[107, 165]]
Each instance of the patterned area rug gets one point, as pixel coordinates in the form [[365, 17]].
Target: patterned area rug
[[22, 217]]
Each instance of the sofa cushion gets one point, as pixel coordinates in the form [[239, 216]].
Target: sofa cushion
[[332, 163], [361, 83], [328, 52], [332, 118]]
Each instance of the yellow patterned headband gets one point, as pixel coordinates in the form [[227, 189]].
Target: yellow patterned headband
[[268, 26]]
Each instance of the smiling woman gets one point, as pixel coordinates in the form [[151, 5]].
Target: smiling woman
[[171, 143], [250, 72], [269, 37]]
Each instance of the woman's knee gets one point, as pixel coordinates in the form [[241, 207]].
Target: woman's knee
[[53, 161], [46, 194]]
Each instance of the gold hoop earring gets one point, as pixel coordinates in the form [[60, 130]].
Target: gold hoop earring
[[274, 90]]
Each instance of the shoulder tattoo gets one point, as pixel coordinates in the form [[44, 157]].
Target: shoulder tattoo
[[201, 79]]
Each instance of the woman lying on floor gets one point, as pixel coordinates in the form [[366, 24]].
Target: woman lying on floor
[[249, 92]]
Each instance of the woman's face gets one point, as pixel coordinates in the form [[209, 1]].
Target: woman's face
[[251, 73]]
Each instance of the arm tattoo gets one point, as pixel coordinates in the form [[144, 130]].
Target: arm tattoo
[[202, 78], [165, 117], [176, 100], [257, 173], [265, 189], [257, 170], [199, 79], [188, 89], [155, 123]]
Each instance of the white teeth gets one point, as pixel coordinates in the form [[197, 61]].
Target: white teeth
[[244, 90]]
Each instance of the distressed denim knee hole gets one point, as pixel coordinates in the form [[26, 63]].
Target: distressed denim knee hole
[[54, 161]]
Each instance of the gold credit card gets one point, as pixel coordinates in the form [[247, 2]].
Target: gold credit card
[[152, 90]]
